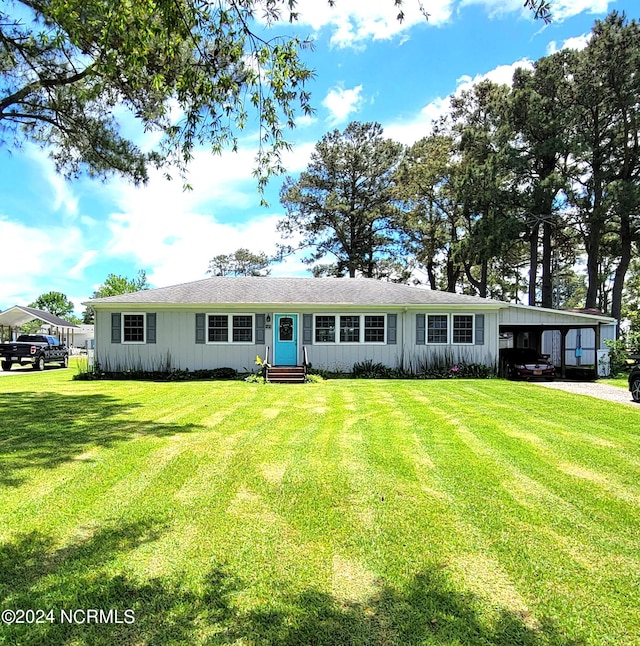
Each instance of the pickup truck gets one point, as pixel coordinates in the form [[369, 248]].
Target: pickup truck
[[34, 349]]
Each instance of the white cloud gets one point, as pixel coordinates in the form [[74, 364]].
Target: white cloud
[[410, 131], [577, 42], [354, 23], [64, 199], [86, 259], [36, 261], [560, 9], [305, 121], [297, 159], [176, 247], [342, 102], [174, 234], [563, 9]]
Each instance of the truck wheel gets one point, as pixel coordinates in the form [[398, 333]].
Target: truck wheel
[[39, 363], [65, 362], [6, 365]]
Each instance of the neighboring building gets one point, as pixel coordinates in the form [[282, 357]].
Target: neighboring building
[[334, 322], [83, 338]]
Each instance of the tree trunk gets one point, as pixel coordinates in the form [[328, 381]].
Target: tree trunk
[[547, 279], [623, 266], [484, 279], [433, 283], [592, 247], [533, 263], [453, 274]]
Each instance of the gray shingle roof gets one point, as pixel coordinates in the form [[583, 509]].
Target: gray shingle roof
[[19, 315], [292, 291]]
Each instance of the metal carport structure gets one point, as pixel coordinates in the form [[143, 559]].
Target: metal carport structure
[[529, 323], [11, 319]]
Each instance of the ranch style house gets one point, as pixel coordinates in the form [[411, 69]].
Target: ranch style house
[[331, 323]]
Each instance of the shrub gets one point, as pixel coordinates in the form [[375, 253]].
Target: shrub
[[255, 378], [439, 367], [617, 356], [138, 374], [369, 370]]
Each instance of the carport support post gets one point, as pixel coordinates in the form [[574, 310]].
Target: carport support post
[[563, 352], [596, 330]]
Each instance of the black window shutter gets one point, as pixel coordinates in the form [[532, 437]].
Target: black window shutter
[[479, 329], [115, 328], [260, 322], [200, 328], [151, 328], [421, 337], [392, 329], [307, 329]]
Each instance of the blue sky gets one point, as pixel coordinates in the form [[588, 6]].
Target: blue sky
[[68, 236]]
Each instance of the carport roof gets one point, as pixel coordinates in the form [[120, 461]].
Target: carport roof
[[519, 315], [19, 315]]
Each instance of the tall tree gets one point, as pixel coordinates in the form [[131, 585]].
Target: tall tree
[[615, 45], [485, 187], [66, 65], [430, 219], [605, 144], [55, 303], [539, 113], [241, 262], [343, 206]]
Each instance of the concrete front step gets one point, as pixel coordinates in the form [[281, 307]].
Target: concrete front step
[[286, 375]]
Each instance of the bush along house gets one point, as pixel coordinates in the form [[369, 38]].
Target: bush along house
[[330, 323]]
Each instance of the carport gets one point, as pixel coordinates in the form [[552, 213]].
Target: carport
[[12, 318], [526, 325]]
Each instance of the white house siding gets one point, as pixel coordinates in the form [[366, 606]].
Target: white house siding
[[175, 346], [418, 356]]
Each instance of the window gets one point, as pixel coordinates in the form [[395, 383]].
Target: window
[[133, 328], [437, 328], [241, 326], [243, 329], [218, 329], [349, 329], [325, 329], [463, 328], [374, 329], [353, 328]]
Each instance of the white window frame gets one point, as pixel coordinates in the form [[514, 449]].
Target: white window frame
[[363, 327], [473, 328], [144, 328], [426, 331], [450, 323], [361, 317], [230, 341], [336, 330]]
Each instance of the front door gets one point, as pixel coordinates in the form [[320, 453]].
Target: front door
[[286, 340]]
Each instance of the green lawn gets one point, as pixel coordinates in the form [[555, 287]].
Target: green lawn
[[622, 380], [347, 512]]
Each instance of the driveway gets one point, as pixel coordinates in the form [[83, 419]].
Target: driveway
[[592, 389]]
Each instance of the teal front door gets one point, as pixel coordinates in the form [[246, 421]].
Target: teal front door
[[285, 352]]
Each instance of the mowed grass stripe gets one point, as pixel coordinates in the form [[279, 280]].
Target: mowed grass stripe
[[537, 533], [346, 512]]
